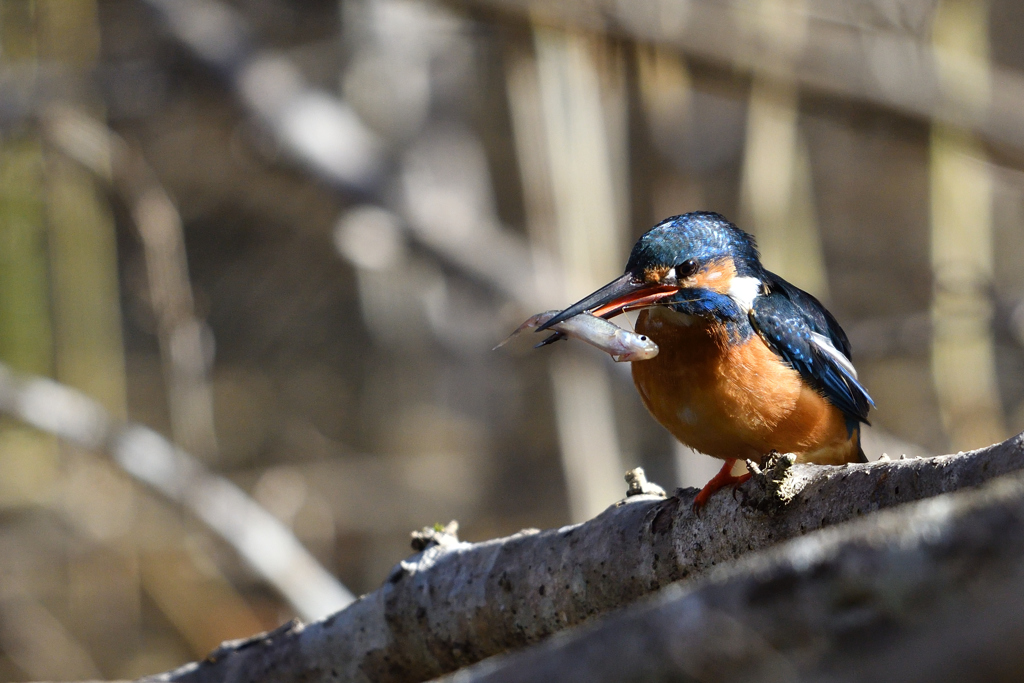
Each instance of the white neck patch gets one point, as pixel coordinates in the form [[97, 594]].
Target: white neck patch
[[743, 290]]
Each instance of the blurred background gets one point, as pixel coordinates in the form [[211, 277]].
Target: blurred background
[[286, 237]]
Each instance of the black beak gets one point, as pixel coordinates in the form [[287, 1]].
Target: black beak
[[628, 291]]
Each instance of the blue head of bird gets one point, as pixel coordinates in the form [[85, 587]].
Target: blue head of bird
[[697, 263]]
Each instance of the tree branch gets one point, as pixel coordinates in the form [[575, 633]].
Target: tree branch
[[457, 603], [263, 542], [158, 224], [931, 592]]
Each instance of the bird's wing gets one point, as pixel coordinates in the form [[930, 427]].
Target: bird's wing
[[797, 327], [817, 316]]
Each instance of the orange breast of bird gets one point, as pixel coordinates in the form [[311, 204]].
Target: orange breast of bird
[[734, 400]]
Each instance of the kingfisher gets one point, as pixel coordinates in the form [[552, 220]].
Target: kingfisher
[[749, 364]]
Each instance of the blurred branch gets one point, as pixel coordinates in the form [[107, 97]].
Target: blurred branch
[[777, 198], [962, 245], [456, 603], [315, 127], [931, 592], [480, 246], [180, 333], [268, 547], [567, 98], [323, 132], [885, 59], [195, 597], [36, 640], [81, 236], [158, 553]]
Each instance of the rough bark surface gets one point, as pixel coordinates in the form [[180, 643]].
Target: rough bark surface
[[457, 603], [933, 592]]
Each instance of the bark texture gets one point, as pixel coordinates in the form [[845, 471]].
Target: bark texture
[[457, 603], [933, 592]]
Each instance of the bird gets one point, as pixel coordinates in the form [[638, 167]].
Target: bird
[[749, 364]]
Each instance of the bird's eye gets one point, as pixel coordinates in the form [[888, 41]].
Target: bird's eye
[[686, 268]]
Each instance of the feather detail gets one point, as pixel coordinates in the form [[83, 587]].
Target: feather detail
[[798, 328]]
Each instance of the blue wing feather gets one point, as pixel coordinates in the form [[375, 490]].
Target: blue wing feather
[[816, 315], [785, 317]]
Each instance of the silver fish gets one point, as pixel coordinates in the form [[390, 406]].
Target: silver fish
[[621, 344]]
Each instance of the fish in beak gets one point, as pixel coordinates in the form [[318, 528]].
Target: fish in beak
[[626, 293]]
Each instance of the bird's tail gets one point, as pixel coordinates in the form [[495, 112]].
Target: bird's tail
[[861, 457]]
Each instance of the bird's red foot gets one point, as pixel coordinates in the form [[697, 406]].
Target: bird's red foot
[[719, 481]]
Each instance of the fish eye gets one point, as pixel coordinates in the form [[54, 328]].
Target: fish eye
[[686, 268], [643, 337]]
